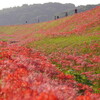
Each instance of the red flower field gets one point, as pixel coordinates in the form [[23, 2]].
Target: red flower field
[[55, 60], [26, 74]]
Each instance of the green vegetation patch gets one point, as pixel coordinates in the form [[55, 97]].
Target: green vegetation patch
[[94, 29], [54, 44]]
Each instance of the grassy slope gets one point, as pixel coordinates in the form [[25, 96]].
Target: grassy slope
[[86, 22], [58, 34], [50, 45]]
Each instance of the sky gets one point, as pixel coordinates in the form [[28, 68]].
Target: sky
[[13, 3]]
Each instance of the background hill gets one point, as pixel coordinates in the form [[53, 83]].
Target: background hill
[[43, 12]]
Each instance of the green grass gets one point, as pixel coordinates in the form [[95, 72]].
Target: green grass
[[5, 38], [7, 30], [94, 29], [50, 45]]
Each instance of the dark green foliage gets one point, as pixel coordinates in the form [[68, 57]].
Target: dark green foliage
[[79, 78], [82, 79]]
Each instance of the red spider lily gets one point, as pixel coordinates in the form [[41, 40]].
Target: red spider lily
[[26, 74], [83, 98]]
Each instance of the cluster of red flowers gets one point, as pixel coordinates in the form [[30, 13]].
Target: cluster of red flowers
[[26, 74]]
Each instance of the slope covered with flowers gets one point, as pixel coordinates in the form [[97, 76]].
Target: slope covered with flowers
[[56, 60], [83, 23], [26, 74]]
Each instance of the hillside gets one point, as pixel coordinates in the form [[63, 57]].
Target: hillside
[[35, 12], [31, 13], [86, 23], [54, 60]]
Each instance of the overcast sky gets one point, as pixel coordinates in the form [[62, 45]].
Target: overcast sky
[[12, 3]]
